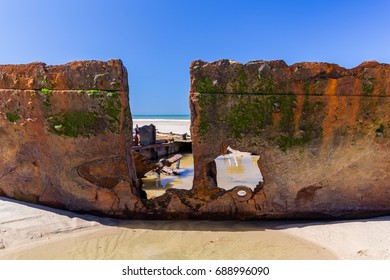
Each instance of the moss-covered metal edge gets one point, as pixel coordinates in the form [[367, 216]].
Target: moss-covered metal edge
[[12, 116], [73, 124], [85, 123]]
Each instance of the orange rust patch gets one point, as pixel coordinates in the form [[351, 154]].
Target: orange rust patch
[[331, 116], [355, 108]]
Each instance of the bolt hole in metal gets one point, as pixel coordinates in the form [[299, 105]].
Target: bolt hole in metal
[[241, 193]]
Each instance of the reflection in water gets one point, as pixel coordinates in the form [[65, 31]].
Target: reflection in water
[[155, 186], [234, 164], [237, 169], [232, 170]]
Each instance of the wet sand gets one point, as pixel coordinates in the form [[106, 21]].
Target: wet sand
[[135, 243], [44, 233], [36, 232]]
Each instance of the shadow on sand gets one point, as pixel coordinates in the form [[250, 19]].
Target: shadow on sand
[[201, 225]]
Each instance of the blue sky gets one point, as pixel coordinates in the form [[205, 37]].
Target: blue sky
[[157, 40]]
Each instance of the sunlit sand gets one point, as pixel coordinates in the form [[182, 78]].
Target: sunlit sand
[[44, 233], [35, 232]]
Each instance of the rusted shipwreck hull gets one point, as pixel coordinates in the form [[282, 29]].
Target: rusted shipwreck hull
[[321, 132]]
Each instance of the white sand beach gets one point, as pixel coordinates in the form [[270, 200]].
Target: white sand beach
[[35, 232], [166, 126]]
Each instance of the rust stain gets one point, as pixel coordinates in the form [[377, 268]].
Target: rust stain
[[276, 117], [331, 116], [353, 107], [298, 111]]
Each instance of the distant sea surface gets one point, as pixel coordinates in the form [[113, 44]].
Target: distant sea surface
[[162, 117]]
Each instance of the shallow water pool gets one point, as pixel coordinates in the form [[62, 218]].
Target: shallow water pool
[[232, 170]]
